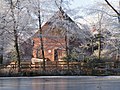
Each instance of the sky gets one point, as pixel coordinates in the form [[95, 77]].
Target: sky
[[89, 3], [82, 3]]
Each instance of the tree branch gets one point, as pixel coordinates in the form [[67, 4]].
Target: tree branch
[[113, 8]]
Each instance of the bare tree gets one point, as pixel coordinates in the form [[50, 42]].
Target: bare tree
[[118, 15], [109, 27], [37, 11], [12, 7], [41, 39], [17, 26]]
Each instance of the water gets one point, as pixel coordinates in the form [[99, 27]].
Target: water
[[60, 83]]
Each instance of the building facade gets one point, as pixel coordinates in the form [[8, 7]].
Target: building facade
[[60, 33]]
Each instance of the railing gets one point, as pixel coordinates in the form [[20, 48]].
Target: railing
[[80, 68], [48, 65]]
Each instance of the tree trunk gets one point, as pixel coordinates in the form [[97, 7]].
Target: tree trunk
[[15, 34], [99, 46], [1, 59], [2, 48], [67, 52], [41, 40]]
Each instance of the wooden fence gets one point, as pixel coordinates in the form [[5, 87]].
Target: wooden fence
[[49, 65], [76, 68]]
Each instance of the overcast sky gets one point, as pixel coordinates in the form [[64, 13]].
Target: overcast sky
[[84, 3], [88, 3]]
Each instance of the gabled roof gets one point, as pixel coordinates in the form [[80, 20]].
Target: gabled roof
[[61, 21]]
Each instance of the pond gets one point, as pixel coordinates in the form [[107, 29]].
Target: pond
[[60, 83]]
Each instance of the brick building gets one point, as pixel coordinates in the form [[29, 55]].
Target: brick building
[[58, 32]]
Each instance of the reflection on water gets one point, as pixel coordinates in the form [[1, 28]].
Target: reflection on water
[[60, 83]]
